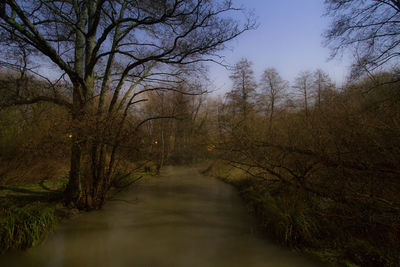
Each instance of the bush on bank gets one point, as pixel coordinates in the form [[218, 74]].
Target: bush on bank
[[25, 226], [320, 227]]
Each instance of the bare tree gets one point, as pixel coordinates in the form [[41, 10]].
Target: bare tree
[[111, 52], [244, 87], [370, 27], [321, 83], [274, 87], [303, 84]]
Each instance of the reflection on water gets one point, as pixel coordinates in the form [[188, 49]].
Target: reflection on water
[[178, 219]]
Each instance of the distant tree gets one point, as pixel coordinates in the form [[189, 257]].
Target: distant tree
[[273, 86], [371, 27], [188, 127], [303, 84], [181, 136], [321, 83], [244, 87]]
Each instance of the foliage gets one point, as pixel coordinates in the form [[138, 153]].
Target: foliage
[[33, 141], [182, 138], [23, 227], [242, 95], [273, 91], [283, 214], [299, 220], [331, 175], [107, 55], [30, 211]]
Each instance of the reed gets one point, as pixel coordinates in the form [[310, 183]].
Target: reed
[[24, 227]]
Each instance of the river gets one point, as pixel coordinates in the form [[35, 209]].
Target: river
[[180, 218]]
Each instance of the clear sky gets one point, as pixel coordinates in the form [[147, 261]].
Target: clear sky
[[288, 38]]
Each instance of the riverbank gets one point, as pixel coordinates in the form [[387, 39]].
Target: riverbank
[[179, 218], [30, 211], [298, 220]]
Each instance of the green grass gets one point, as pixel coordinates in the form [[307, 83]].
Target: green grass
[[29, 211], [24, 227], [34, 187], [284, 216]]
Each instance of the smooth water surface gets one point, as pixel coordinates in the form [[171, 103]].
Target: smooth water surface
[[180, 218]]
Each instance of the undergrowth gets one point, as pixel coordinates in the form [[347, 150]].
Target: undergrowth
[[317, 226], [24, 227], [298, 220], [30, 211]]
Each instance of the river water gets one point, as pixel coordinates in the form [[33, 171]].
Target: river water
[[180, 218]]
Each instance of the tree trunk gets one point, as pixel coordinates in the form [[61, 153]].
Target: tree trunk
[[73, 192], [271, 115]]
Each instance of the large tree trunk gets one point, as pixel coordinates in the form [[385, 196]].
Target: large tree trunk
[[73, 191], [89, 182], [89, 178]]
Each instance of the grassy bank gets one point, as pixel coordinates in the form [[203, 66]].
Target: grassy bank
[[25, 226], [303, 221], [30, 211]]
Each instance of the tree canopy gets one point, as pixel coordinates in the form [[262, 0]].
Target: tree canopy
[[371, 28], [111, 53]]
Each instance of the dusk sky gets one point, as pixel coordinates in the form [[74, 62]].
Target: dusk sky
[[288, 38]]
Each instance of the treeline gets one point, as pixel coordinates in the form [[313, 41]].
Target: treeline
[[33, 138], [322, 163], [168, 127]]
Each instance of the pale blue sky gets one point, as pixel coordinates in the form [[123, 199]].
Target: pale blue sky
[[289, 38]]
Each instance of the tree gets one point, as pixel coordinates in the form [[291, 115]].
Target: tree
[[322, 82], [182, 138], [244, 87], [303, 84], [274, 87], [111, 52], [371, 27]]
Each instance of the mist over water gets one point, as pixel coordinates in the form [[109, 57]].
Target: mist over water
[[180, 218]]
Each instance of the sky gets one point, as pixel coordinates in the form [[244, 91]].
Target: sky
[[288, 38]]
